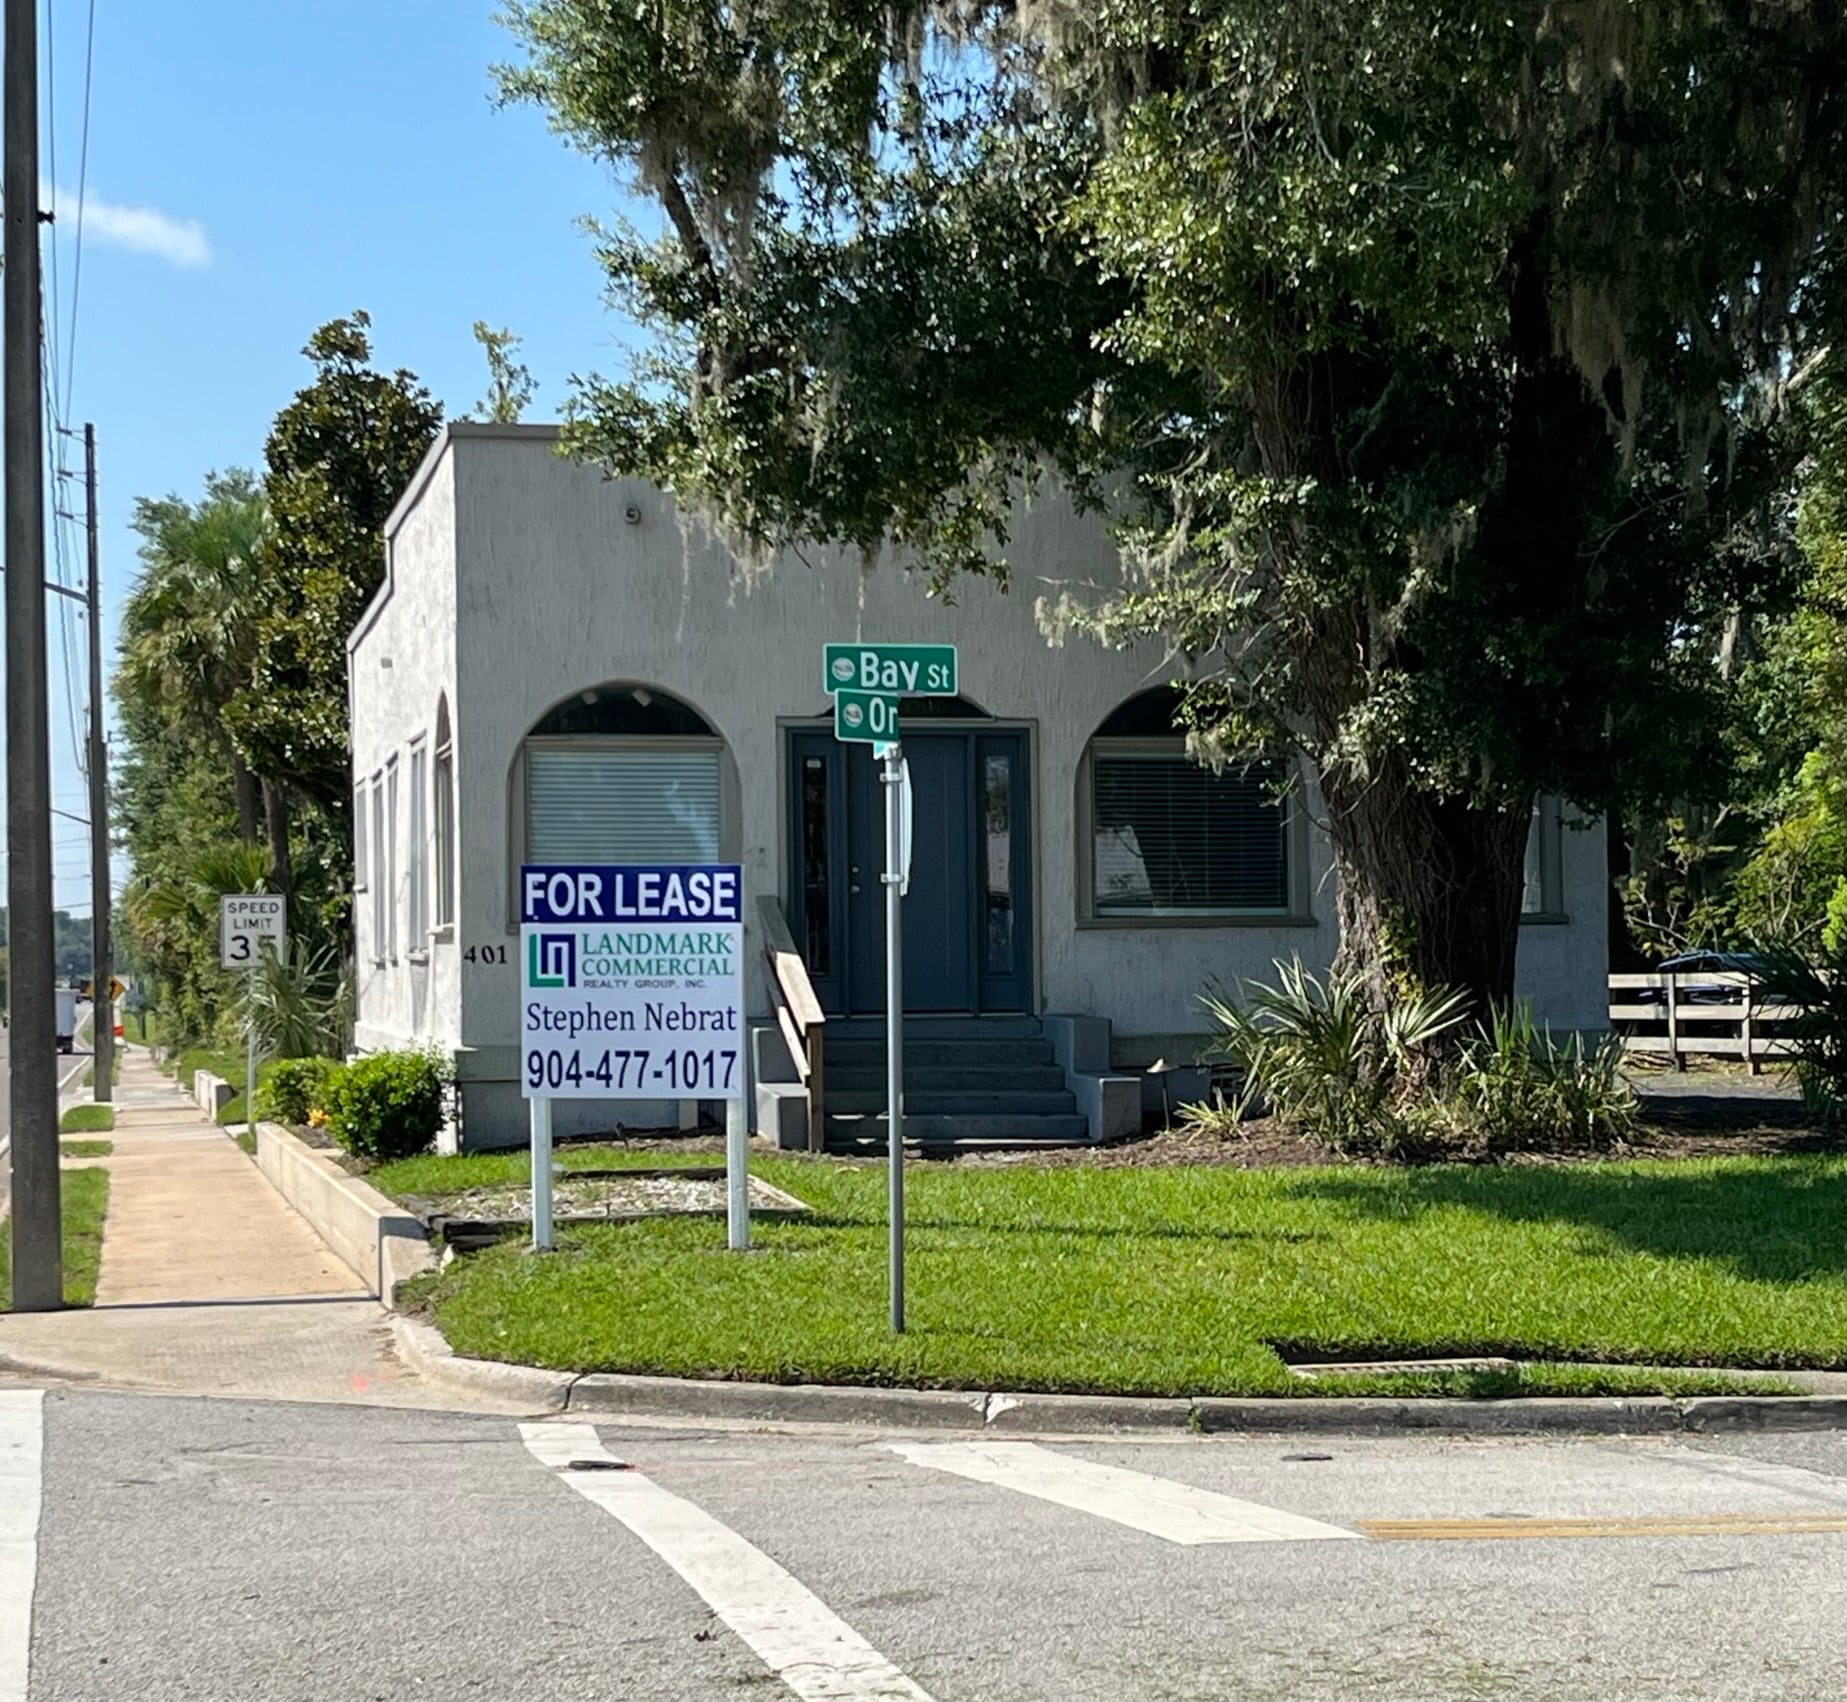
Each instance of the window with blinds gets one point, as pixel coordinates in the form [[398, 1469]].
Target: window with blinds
[[1169, 838], [593, 804]]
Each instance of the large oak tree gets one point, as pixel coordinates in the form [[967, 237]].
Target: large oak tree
[[1427, 355]]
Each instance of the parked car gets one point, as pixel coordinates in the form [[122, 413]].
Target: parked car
[[1689, 966]]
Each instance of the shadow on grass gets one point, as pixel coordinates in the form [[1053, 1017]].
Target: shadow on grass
[[1128, 1231], [1777, 1221]]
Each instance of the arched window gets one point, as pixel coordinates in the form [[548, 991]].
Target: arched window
[[1167, 840], [443, 809], [621, 774]]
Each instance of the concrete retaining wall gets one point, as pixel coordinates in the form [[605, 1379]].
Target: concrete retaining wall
[[376, 1237], [211, 1093]]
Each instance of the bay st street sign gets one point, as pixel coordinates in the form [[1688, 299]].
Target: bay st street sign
[[899, 670]]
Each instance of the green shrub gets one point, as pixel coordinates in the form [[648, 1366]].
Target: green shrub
[[295, 1087], [388, 1105], [1326, 1061], [1514, 1086]]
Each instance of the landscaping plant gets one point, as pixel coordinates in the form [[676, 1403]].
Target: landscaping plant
[[1513, 1085], [389, 1104], [296, 1089], [1329, 1063], [1817, 1034]]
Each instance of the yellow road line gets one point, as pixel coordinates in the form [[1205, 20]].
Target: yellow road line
[[1687, 1525]]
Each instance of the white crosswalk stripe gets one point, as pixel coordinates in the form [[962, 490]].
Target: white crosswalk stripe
[[1157, 1505], [813, 1651], [22, 1441]]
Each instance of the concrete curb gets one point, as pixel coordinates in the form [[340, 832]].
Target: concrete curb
[[1002, 1413], [373, 1236], [426, 1353]]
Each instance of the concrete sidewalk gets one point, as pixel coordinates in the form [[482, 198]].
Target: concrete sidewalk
[[210, 1282]]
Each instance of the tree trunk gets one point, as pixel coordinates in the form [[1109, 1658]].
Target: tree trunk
[[245, 785], [1427, 890], [276, 821]]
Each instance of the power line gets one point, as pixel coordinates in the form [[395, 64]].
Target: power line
[[83, 180]]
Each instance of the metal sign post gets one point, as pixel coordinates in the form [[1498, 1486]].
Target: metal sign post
[[246, 920], [894, 877], [631, 987], [866, 682]]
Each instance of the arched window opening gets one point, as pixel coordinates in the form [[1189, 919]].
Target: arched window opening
[[622, 773], [1170, 840]]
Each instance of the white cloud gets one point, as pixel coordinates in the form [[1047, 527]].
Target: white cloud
[[141, 230]]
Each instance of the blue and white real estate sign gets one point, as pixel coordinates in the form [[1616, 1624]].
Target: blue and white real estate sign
[[631, 981]]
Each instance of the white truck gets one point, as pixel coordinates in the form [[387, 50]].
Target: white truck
[[67, 1017]]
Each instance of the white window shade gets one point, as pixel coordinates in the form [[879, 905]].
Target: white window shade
[[1173, 839], [601, 805]]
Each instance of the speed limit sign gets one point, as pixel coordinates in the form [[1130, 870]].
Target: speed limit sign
[[245, 919]]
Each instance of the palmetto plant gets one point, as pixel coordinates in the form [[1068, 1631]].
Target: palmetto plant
[[298, 1002], [1817, 1033], [1325, 1059], [1515, 1085]]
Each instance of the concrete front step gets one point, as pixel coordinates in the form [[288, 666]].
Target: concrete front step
[[849, 1130], [949, 1054], [954, 1099], [946, 1078], [938, 1027]]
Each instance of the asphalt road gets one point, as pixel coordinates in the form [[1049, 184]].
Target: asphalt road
[[205, 1549]]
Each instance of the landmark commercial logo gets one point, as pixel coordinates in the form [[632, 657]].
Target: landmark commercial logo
[[551, 960]]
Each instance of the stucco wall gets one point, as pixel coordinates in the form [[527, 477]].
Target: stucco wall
[[554, 589], [402, 659]]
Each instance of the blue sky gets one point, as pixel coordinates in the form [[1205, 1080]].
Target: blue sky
[[257, 167]]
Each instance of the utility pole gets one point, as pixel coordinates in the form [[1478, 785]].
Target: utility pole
[[38, 1262], [102, 948]]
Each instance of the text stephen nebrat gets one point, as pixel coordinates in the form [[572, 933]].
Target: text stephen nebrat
[[657, 1017]]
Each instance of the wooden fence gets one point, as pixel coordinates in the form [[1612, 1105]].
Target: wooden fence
[[1713, 1013]]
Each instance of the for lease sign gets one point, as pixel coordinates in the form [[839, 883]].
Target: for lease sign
[[631, 981]]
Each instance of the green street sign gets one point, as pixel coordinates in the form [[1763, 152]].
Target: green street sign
[[902, 670], [865, 717]]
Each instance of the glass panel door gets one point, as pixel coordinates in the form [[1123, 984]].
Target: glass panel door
[[1003, 858]]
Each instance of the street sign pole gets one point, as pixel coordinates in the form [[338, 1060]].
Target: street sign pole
[[250, 1049], [894, 877], [541, 1175]]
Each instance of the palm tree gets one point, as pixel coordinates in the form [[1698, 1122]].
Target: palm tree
[[189, 632]]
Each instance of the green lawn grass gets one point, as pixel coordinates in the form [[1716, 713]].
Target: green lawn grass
[[142, 1027], [87, 1119], [84, 1200], [431, 1174], [86, 1149], [1188, 1281]]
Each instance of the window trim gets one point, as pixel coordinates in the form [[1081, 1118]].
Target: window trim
[[378, 884], [442, 826], [1297, 912], [362, 827], [416, 842], [391, 858], [1549, 816]]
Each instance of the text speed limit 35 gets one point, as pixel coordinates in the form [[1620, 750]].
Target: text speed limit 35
[[245, 921]]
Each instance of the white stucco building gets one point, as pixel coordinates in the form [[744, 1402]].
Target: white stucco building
[[554, 669]]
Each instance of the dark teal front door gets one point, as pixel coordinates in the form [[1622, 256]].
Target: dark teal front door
[[967, 944]]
